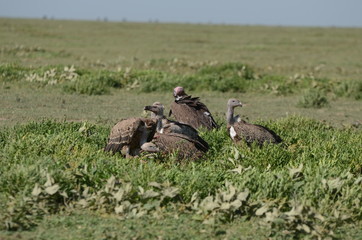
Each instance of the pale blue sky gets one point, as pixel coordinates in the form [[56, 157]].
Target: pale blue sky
[[339, 13]]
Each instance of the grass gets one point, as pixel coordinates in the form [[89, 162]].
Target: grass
[[81, 225], [313, 98], [277, 50], [63, 84], [51, 168]]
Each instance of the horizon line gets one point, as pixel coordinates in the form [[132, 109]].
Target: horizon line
[[157, 21]]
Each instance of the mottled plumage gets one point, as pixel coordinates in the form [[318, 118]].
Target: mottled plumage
[[189, 110], [128, 135], [241, 130]]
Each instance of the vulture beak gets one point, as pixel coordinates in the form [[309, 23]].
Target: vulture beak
[[148, 108]]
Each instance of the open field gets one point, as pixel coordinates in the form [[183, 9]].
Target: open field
[[332, 52], [18, 105], [63, 84]]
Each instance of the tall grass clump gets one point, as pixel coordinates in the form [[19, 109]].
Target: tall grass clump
[[11, 73], [233, 77], [352, 89], [307, 185], [313, 98], [88, 86]]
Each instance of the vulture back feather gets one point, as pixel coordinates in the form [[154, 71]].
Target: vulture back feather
[[128, 135], [173, 127], [190, 110], [184, 147], [254, 133]]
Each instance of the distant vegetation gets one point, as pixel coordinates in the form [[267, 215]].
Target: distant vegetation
[[230, 77]]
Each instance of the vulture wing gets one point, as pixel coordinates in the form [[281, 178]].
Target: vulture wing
[[272, 136], [180, 144], [191, 111], [254, 133], [130, 133], [185, 130]]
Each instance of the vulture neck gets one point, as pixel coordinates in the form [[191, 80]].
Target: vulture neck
[[159, 125], [230, 116]]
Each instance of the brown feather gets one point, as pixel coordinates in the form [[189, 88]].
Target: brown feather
[[188, 131], [185, 147], [191, 111], [128, 133], [254, 133]]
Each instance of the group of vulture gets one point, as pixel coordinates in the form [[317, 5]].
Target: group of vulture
[[158, 134]]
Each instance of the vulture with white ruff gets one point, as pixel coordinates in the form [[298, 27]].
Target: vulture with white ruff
[[189, 110], [239, 129]]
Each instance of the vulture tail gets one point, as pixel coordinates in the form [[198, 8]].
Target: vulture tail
[[113, 147], [202, 144]]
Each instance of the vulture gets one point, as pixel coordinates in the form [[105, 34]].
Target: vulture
[[128, 135], [239, 129], [189, 110], [174, 137], [166, 126]]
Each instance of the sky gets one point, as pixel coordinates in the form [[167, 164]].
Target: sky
[[324, 13]]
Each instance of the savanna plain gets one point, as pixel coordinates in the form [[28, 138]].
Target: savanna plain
[[64, 84]]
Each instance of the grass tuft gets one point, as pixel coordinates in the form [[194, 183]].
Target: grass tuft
[[313, 98]]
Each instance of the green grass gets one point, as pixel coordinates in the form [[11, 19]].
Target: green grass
[[51, 168], [313, 98], [88, 225], [63, 84]]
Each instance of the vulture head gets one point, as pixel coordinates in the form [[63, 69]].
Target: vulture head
[[178, 92], [149, 147], [156, 109], [233, 103]]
